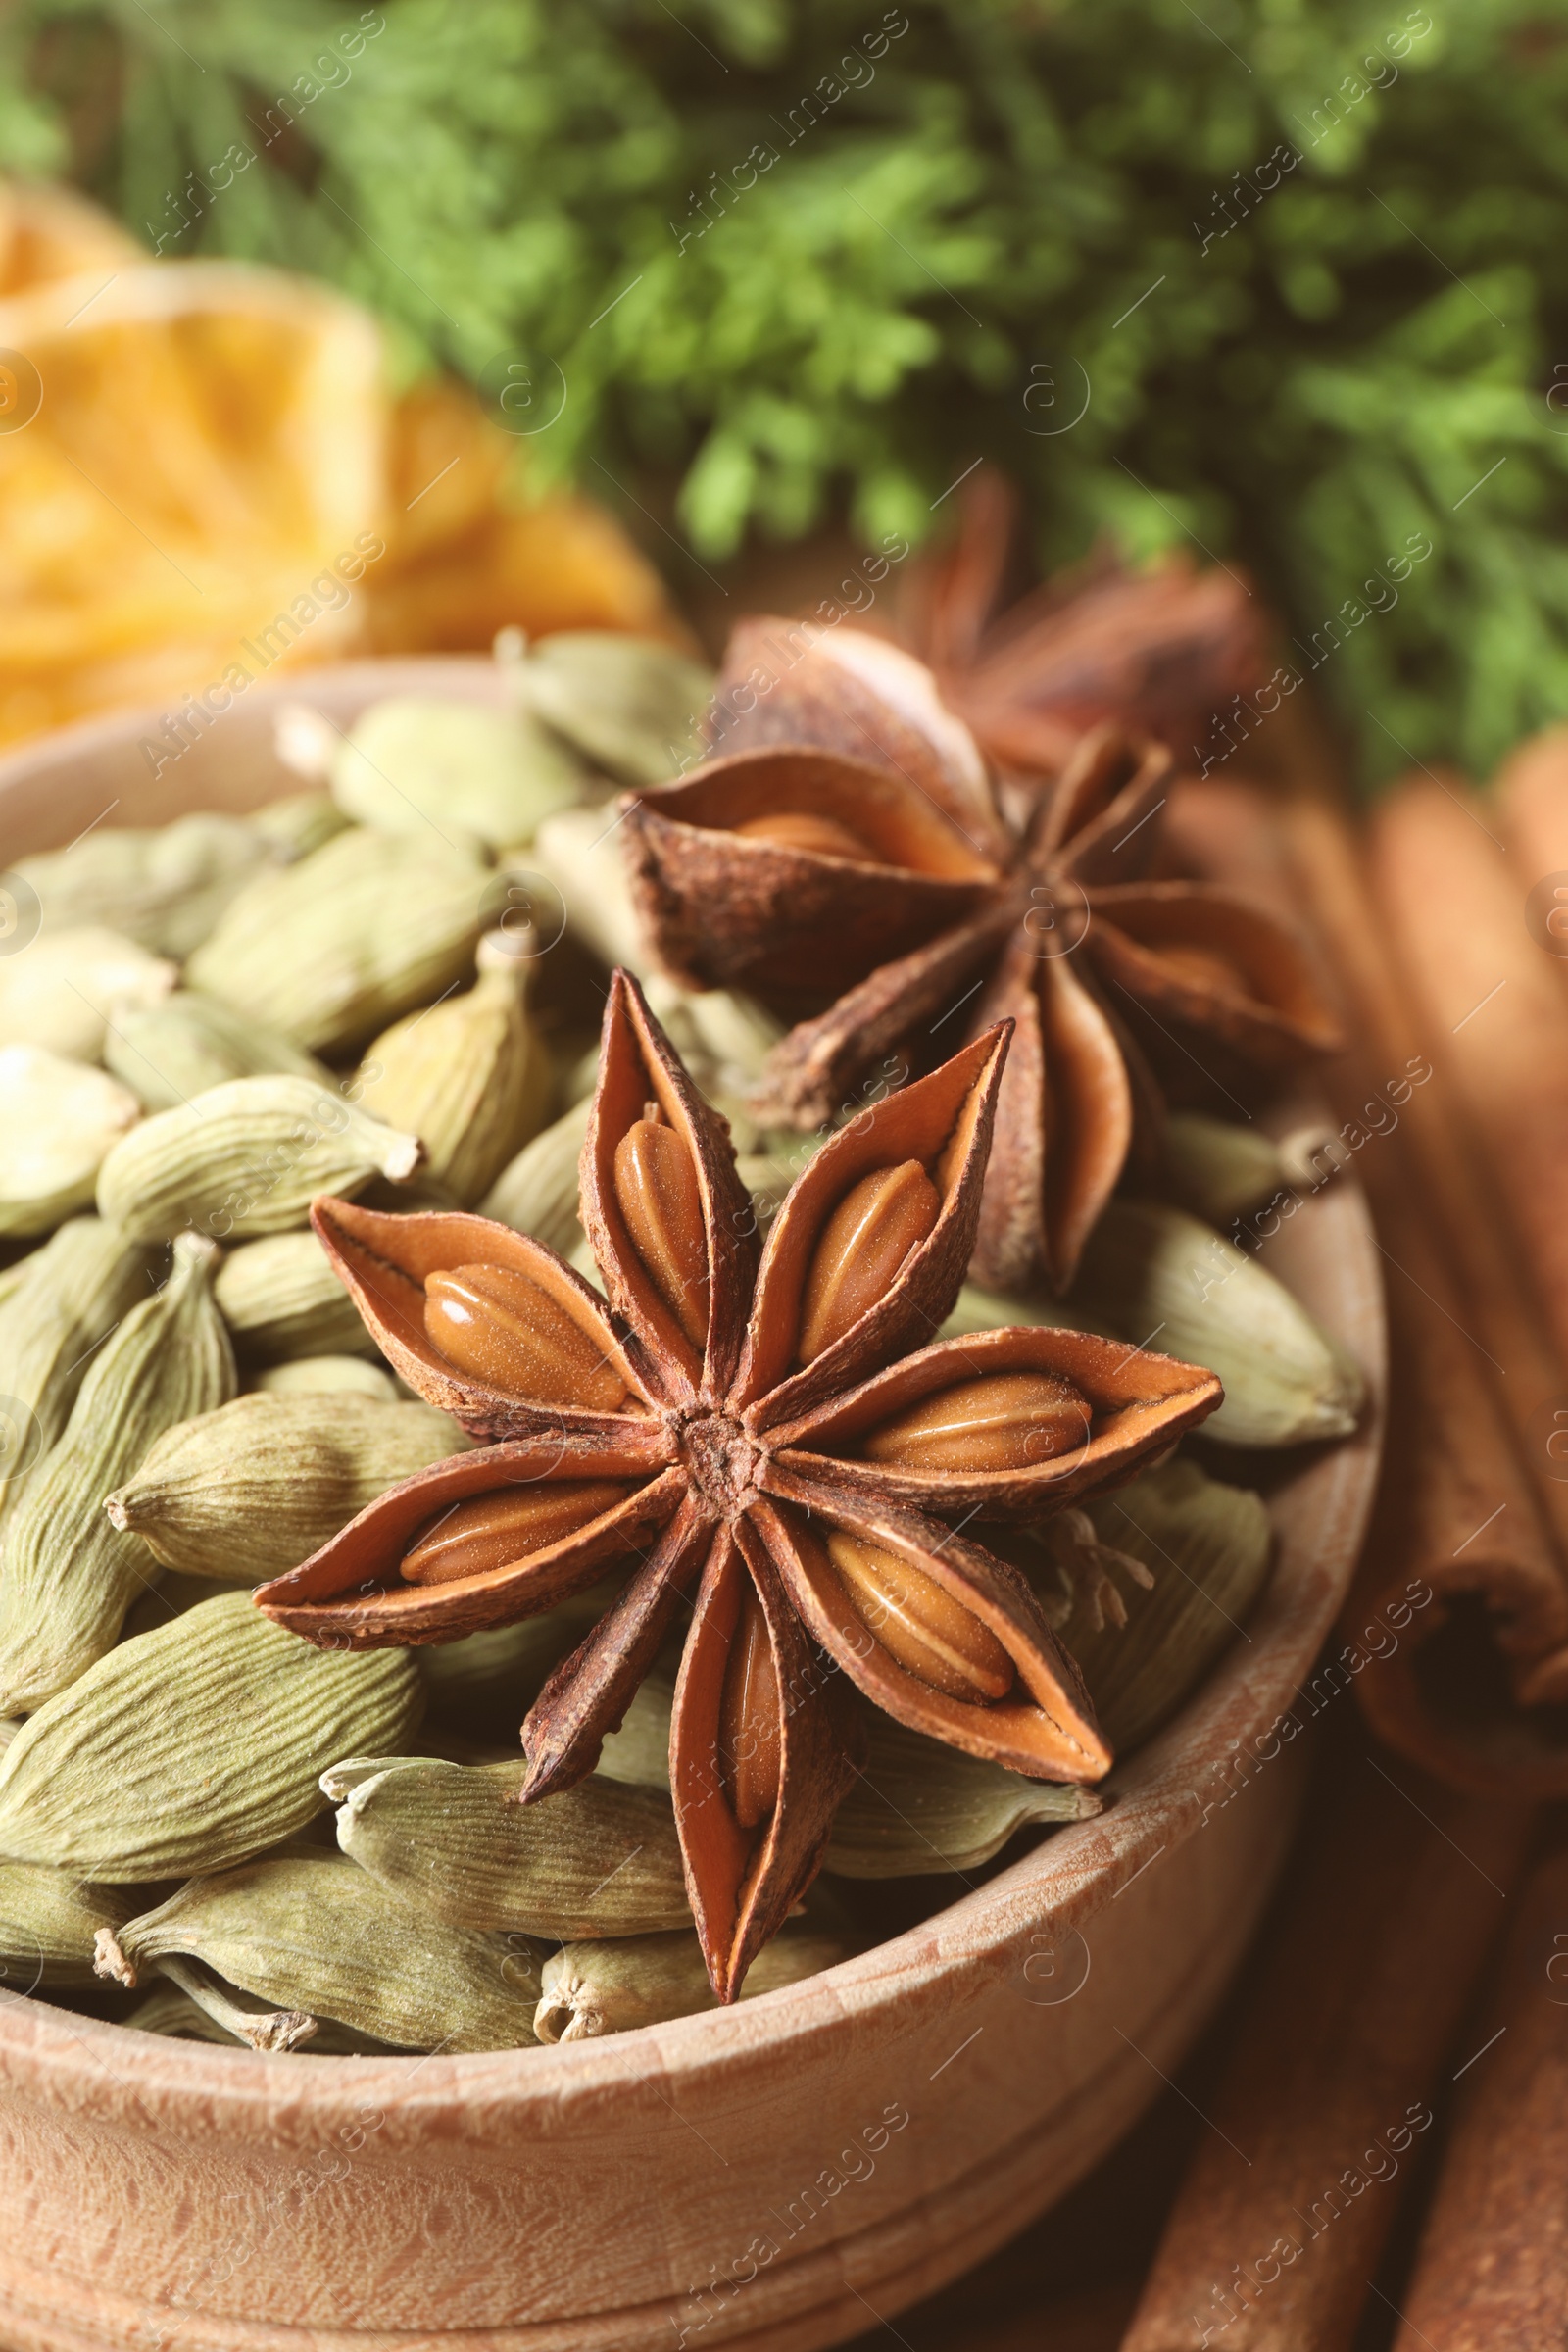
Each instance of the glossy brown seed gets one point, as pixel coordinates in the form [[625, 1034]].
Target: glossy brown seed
[[502, 1327], [655, 1184], [802, 829], [748, 1745], [862, 1246], [492, 1531], [1002, 1421], [921, 1625]]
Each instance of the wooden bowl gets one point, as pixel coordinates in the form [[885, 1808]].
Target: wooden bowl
[[784, 2173]]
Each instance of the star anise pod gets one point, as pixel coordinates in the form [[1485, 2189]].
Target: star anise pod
[[784, 1442], [1159, 650], [844, 851]]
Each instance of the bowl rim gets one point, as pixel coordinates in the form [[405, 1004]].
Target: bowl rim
[[1319, 1506]]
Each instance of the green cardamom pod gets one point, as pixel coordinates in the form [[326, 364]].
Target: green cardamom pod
[[977, 1310], [299, 823], [195, 1746], [280, 1299], [484, 1684], [70, 1296], [600, 1859], [313, 1934], [364, 928], [1209, 1546], [60, 992], [68, 1576], [471, 1077], [248, 1492], [247, 1157], [163, 887], [59, 1122], [199, 2015], [172, 1051], [639, 1751], [538, 1190], [921, 1807], [580, 853], [329, 1375], [1220, 1170], [412, 762], [592, 1988], [633, 705], [48, 1919], [1163, 1280]]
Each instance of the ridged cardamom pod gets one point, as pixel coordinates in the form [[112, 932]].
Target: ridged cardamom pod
[[1209, 1546], [367, 927], [922, 1807], [452, 1840], [195, 1746], [299, 823], [48, 1919], [60, 992], [632, 705], [471, 1077], [176, 1050], [584, 860], [328, 1376], [59, 1121], [246, 1158], [68, 1576], [592, 1988], [412, 762], [163, 886], [280, 1298], [181, 2016], [537, 1192], [484, 1685], [71, 1293], [1220, 1170], [314, 1934], [1160, 1277], [639, 1751], [251, 1490]]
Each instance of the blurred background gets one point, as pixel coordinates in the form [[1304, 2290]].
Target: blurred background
[[597, 300]]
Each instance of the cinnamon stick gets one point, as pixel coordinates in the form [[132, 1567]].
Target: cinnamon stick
[[1491, 2268], [1457, 1630], [1329, 2093]]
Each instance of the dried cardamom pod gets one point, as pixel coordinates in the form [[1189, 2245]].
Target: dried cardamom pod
[[69, 1576], [632, 705], [1158, 1276], [592, 1988], [471, 1077], [280, 1299], [60, 992], [172, 1051], [299, 823], [271, 2031], [253, 1488], [70, 1296], [332, 949], [1219, 1169], [59, 1121], [922, 1807], [980, 1309], [195, 1746], [536, 1192], [163, 886], [454, 1840], [182, 2015], [247, 1157], [1209, 1546], [580, 853], [328, 1376], [638, 1751], [412, 762], [484, 1684], [311, 1933], [48, 1919]]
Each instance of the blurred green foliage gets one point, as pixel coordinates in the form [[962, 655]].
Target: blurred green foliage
[[975, 209]]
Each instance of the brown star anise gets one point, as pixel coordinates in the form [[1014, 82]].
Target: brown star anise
[[785, 1443], [845, 851]]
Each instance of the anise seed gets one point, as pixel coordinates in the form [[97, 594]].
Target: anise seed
[[802, 829], [492, 1531], [655, 1184], [502, 1327], [1001, 1421], [921, 1625], [748, 1745], [860, 1249]]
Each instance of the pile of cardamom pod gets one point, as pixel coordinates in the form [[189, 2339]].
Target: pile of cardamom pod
[[385, 984]]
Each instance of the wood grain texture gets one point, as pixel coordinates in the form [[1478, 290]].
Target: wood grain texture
[[601, 2197]]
